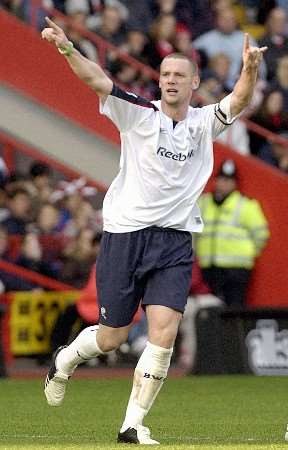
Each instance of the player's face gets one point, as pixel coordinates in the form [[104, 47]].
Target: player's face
[[177, 81]]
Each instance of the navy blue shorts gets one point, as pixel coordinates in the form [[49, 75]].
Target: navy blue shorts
[[153, 265]]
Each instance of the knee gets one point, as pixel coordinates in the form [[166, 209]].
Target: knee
[[109, 341], [162, 338]]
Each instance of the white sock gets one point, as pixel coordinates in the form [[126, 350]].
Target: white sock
[[149, 377], [83, 348]]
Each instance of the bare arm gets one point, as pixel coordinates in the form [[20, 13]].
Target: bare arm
[[243, 89], [88, 71]]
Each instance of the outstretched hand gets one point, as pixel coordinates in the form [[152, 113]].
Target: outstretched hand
[[252, 56], [55, 34]]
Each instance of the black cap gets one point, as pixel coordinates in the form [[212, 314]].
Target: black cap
[[227, 169]]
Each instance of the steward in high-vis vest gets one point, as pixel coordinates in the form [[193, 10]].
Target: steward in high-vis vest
[[234, 235]]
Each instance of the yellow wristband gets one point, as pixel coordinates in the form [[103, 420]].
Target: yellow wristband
[[67, 50]]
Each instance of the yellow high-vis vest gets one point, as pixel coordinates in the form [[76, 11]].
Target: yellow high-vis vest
[[234, 233]]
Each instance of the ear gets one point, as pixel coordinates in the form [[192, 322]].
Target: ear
[[195, 82]]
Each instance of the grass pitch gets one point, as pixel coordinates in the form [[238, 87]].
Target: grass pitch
[[201, 413]]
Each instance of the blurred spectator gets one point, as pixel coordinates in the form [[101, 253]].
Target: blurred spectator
[[263, 9], [19, 208], [183, 43], [84, 46], [276, 154], [275, 39], [227, 39], [31, 256], [111, 26], [15, 180], [51, 241], [162, 34], [211, 89], [135, 43], [196, 15], [236, 137], [220, 66], [271, 115], [39, 184], [82, 218], [47, 219], [281, 80], [71, 196], [10, 281], [139, 14], [77, 6], [234, 235], [78, 257]]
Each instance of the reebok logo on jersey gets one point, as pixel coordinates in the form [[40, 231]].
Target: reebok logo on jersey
[[162, 151]]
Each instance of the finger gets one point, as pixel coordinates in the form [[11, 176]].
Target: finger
[[52, 24], [263, 49], [246, 43]]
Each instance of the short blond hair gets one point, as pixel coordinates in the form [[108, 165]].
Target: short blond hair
[[192, 63]]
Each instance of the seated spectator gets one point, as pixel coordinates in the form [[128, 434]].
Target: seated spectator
[[211, 89], [272, 116], [70, 197], [135, 43], [31, 256], [281, 81], [50, 239], [139, 14], [227, 39], [39, 184], [276, 154], [183, 43], [196, 16], [47, 220], [111, 26], [78, 257], [275, 39], [220, 65], [77, 22], [9, 281], [19, 209], [162, 35], [236, 137], [81, 219]]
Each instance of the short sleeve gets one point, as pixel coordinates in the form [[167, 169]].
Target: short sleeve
[[219, 116], [125, 109]]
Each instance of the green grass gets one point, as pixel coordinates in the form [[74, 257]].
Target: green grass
[[201, 413]]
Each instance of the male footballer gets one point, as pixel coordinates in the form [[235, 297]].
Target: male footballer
[[149, 212]]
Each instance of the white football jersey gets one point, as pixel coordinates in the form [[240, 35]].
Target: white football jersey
[[163, 167]]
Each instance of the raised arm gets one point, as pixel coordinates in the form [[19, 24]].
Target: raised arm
[[88, 71], [243, 89]]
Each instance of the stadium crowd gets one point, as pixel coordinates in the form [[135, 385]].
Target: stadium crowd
[[210, 32], [47, 226]]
